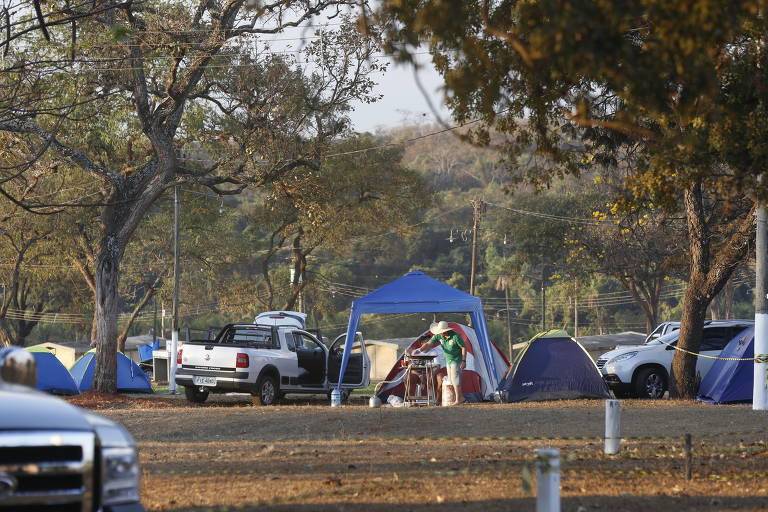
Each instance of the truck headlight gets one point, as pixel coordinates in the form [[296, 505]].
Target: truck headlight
[[623, 357], [120, 470]]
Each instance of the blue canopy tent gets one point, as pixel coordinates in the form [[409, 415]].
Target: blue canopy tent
[[416, 292]]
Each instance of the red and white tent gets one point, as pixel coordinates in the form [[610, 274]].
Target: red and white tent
[[476, 383]]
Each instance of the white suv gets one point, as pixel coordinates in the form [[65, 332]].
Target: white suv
[[643, 370]]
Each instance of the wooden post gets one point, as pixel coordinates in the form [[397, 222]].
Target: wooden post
[[688, 457], [477, 206]]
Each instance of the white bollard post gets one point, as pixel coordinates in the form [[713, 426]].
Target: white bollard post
[[760, 376], [612, 427], [173, 352], [548, 480]]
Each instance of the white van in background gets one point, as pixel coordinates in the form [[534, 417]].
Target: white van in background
[[662, 329], [282, 318]]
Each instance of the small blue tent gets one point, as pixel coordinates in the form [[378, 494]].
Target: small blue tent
[[130, 378], [416, 292], [552, 366], [731, 381], [52, 375]]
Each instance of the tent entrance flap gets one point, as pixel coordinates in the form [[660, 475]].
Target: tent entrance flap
[[416, 292]]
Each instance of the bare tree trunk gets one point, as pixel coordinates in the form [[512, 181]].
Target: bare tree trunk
[[139, 307], [107, 285], [728, 293], [6, 340], [94, 328], [683, 381], [709, 273], [716, 308], [83, 262]]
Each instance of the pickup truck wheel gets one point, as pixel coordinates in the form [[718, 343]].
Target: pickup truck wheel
[[650, 383], [267, 391], [194, 394]]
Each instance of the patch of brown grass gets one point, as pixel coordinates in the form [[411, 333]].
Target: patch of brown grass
[[99, 400]]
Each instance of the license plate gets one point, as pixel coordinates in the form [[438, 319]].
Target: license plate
[[203, 381]]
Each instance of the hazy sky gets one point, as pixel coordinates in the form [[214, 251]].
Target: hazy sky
[[402, 99]]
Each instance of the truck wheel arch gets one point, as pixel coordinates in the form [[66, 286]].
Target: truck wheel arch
[[271, 370], [268, 373], [651, 389], [650, 365]]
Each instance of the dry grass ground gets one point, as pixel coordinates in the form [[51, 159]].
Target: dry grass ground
[[307, 456]]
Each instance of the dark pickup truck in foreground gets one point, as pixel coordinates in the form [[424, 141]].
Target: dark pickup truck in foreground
[[57, 457]]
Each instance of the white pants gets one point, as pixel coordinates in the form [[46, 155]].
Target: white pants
[[454, 375]]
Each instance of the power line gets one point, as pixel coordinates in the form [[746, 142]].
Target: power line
[[548, 216]]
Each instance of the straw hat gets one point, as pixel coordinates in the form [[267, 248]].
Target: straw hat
[[440, 327]]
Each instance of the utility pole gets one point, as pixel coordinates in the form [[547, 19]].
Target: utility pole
[[297, 272], [759, 391], [477, 210], [154, 319], [543, 298], [174, 349], [575, 316], [509, 324]]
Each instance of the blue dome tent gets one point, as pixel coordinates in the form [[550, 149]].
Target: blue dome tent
[[731, 381], [130, 378], [416, 292], [552, 366], [52, 375]]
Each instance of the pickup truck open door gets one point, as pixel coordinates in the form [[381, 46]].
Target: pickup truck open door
[[358, 373]]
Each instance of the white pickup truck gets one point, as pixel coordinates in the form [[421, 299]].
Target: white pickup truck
[[268, 361]]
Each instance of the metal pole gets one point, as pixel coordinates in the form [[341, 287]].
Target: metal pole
[[760, 382], [174, 349], [612, 427], [548, 480]]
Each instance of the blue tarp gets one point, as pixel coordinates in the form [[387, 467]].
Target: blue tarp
[[731, 381], [416, 292], [52, 375], [145, 350], [130, 378], [552, 366]]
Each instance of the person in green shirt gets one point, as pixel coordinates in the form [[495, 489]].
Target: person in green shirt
[[455, 355]]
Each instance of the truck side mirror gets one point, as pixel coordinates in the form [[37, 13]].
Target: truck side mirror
[[17, 366]]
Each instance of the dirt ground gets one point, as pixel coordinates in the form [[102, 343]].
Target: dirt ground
[[229, 455]]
